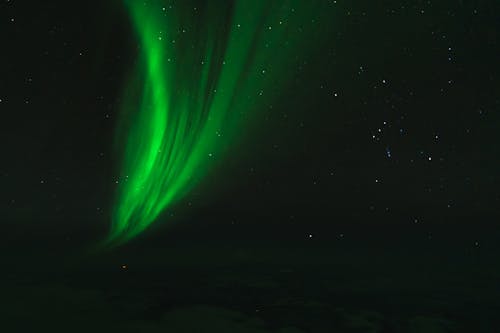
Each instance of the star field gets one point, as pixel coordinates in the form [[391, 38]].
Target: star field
[[358, 184]]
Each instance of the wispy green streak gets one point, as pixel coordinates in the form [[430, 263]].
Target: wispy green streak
[[205, 69]]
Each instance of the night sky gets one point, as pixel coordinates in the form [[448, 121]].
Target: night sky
[[362, 195]]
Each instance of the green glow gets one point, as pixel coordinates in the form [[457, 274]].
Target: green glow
[[205, 69]]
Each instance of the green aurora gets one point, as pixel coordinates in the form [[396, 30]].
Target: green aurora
[[204, 72]]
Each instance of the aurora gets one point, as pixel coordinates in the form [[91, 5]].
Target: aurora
[[203, 74]]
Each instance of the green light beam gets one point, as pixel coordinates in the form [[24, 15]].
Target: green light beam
[[204, 71]]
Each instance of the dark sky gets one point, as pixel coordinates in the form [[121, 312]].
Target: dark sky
[[386, 139], [393, 118]]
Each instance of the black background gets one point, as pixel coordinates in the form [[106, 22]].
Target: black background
[[308, 223]]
